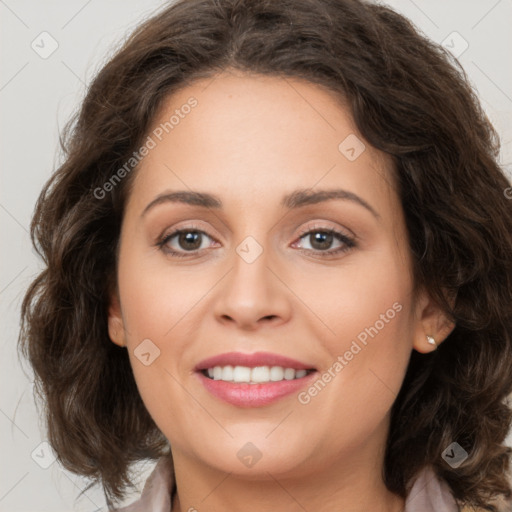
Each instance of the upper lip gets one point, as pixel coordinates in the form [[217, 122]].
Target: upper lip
[[252, 360]]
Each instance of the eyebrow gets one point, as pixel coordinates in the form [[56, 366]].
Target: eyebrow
[[296, 199]]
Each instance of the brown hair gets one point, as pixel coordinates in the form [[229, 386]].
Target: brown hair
[[408, 98]]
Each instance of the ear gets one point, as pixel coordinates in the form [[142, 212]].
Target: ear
[[431, 320], [116, 330]]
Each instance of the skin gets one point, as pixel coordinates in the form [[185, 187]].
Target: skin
[[250, 140]]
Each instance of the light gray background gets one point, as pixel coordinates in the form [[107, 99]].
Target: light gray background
[[38, 95]]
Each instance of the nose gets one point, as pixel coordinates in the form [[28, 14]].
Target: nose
[[252, 295]]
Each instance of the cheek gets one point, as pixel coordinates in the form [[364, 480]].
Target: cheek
[[156, 299], [365, 328], [156, 311], [362, 298]]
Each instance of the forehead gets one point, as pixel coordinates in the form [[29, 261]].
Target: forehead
[[248, 137]]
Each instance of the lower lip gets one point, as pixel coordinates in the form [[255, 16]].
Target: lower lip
[[243, 394]]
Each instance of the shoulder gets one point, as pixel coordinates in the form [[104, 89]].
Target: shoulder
[[429, 493], [156, 495]]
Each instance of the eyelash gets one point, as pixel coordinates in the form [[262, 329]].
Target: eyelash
[[348, 241]]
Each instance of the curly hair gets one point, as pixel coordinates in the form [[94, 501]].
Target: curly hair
[[410, 99]]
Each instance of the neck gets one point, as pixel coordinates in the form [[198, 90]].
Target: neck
[[354, 487]]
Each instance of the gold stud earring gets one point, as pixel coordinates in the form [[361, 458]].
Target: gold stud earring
[[431, 340]]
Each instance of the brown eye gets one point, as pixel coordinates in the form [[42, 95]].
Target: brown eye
[[183, 242], [321, 240], [189, 240]]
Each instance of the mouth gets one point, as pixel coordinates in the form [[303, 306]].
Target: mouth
[[254, 375], [253, 380], [256, 368]]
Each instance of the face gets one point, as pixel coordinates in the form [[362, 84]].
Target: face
[[270, 264]]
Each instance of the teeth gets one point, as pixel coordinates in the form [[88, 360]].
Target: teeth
[[254, 375], [260, 374], [239, 374]]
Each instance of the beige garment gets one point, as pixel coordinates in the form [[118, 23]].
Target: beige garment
[[428, 493]]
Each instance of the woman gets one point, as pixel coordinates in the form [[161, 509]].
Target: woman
[[338, 334]]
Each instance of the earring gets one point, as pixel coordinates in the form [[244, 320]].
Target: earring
[[431, 340]]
